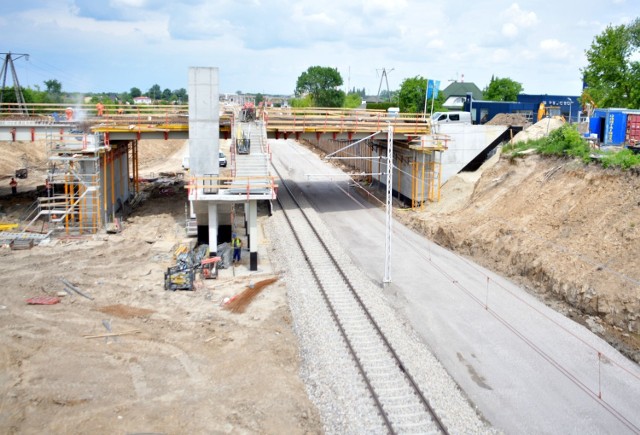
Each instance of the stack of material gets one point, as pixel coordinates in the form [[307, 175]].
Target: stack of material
[[21, 244]]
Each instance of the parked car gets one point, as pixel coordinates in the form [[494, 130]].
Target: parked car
[[451, 118], [222, 159]]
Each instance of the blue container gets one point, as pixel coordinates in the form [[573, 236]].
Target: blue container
[[596, 125], [615, 128]]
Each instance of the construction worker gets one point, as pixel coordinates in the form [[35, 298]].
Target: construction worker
[[69, 113], [100, 108], [14, 186], [47, 186], [237, 246]]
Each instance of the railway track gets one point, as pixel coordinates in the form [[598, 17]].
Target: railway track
[[400, 403]]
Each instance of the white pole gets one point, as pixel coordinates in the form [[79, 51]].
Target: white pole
[[389, 210]]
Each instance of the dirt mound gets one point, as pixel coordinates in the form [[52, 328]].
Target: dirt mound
[[538, 130], [567, 231], [125, 311], [509, 119]]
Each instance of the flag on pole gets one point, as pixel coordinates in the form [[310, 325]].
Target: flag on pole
[[432, 88]]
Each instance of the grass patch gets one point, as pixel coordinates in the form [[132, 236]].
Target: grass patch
[[625, 159], [567, 141]]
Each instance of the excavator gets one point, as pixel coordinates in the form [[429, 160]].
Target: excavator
[[588, 105], [545, 111]]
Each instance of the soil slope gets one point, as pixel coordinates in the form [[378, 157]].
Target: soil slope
[[566, 231]]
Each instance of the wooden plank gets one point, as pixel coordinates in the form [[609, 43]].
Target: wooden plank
[[113, 334]]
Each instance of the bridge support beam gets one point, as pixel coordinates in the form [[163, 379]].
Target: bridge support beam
[[213, 227]]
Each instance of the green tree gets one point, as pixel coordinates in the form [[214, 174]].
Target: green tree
[[306, 101], [135, 92], [321, 83], [503, 89], [352, 101], [155, 92], [413, 92], [54, 87], [612, 74], [259, 98], [181, 95]]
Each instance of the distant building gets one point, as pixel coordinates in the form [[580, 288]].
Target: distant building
[[142, 100], [567, 106], [456, 93]]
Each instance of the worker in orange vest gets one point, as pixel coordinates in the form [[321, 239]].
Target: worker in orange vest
[[14, 186], [100, 108]]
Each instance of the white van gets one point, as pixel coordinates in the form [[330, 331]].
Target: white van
[[451, 117]]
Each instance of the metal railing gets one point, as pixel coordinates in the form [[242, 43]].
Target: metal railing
[[200, 187], [342, 120]]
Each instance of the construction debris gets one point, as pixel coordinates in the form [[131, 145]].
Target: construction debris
[[43, 300], [75, 289], [240, 302]]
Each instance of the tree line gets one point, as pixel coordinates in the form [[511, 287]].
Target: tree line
[[53, 93], [610, 79]]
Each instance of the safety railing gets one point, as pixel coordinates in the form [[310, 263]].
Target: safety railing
[[205, 186], [343, 120]]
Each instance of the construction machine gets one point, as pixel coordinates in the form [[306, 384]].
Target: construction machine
[[182, 275]]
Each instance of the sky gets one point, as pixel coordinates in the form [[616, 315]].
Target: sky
[[264, 45]]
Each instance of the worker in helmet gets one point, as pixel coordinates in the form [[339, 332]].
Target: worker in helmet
[[100, 108], [69, 113], [14, 186], [237, 246]]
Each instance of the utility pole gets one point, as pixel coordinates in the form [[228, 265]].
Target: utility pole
[[389, 210], [6, 66], [386, 79]]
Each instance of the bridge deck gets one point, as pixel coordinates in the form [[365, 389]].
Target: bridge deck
[[30, 121]]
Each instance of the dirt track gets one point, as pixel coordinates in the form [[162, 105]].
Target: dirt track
[[193, 367]]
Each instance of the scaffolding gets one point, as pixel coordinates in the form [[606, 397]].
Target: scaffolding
[[419, 160], [426, 168], [89, 180]]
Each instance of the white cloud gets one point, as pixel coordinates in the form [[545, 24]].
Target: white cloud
[[555, 49], [500, 55], [384, 6], [127, 3], [510, 30], [519, 17]]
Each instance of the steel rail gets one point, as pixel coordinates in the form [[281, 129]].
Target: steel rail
[[400, 365]]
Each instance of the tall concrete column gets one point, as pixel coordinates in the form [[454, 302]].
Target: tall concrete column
[[253, 234], [213, 228], [246, 216]]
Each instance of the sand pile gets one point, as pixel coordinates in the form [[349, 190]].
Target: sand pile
[[538, 130], [509, 119]]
